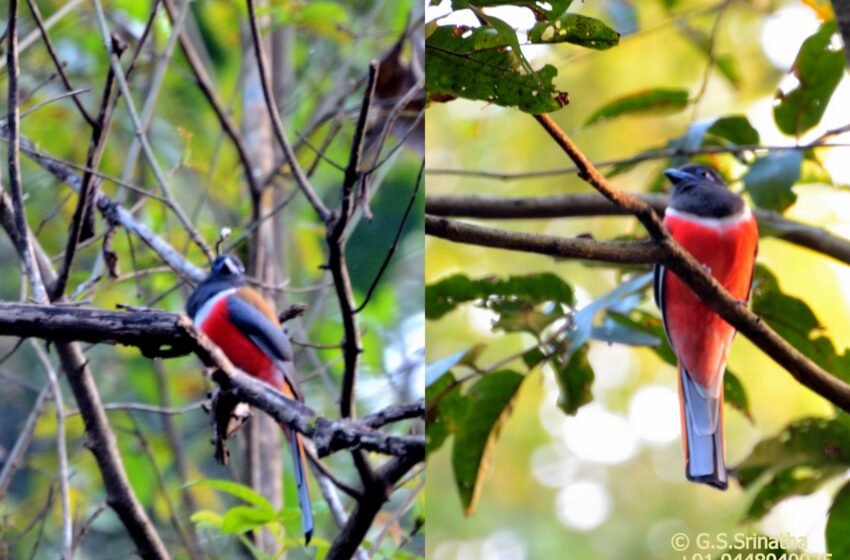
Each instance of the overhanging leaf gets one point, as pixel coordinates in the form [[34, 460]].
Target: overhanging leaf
[[650, 101], [490, 403], [770, 178], [817, 70], [576, 29], [475, 63]]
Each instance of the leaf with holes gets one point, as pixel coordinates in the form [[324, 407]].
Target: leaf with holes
[[576, 29], [476, 63]]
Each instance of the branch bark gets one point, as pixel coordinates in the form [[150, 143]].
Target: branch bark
[[591, 204], [621, 252], [170, 334]]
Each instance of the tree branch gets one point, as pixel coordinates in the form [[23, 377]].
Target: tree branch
[[592, 204], [161, 333], [621, 252]]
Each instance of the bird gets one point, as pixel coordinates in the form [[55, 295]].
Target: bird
[[718, 229], [243, 324]]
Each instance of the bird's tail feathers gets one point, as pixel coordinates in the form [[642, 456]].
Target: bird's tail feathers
[[702, 419]]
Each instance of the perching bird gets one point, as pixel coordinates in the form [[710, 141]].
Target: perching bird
[[245, 327], [715, 225]]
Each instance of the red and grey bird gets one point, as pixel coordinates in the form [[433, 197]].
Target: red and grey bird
[[715, 225], [243, 324]]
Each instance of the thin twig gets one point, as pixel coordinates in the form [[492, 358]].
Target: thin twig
[[84, 209], [140, 133], [36, 14]]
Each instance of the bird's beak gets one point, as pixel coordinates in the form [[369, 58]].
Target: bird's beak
[[677, 176]]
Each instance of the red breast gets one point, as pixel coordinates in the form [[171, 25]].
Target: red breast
[[244, 354], [727, 247]]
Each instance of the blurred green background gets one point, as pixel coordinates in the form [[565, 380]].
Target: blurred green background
[[609, 482]]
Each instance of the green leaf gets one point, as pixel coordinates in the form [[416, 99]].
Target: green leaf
[[508, 35], [240, 519], [490, 403], [793, 320], [838, 525], [736, 129], [811, 442], [446, 294], [574, 378], [445, 413], [649, 101], [475, 63], [770, 178], [244, 493], [818, 69], [576, 29], [735, 395], [791, 481]]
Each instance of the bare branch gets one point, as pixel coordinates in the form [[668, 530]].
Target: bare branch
[[622, 252], [593, 204]]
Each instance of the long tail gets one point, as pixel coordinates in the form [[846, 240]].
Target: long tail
[[702, 417], [299, 467]]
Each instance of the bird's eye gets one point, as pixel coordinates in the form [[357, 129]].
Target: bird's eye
[[706, 174]]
